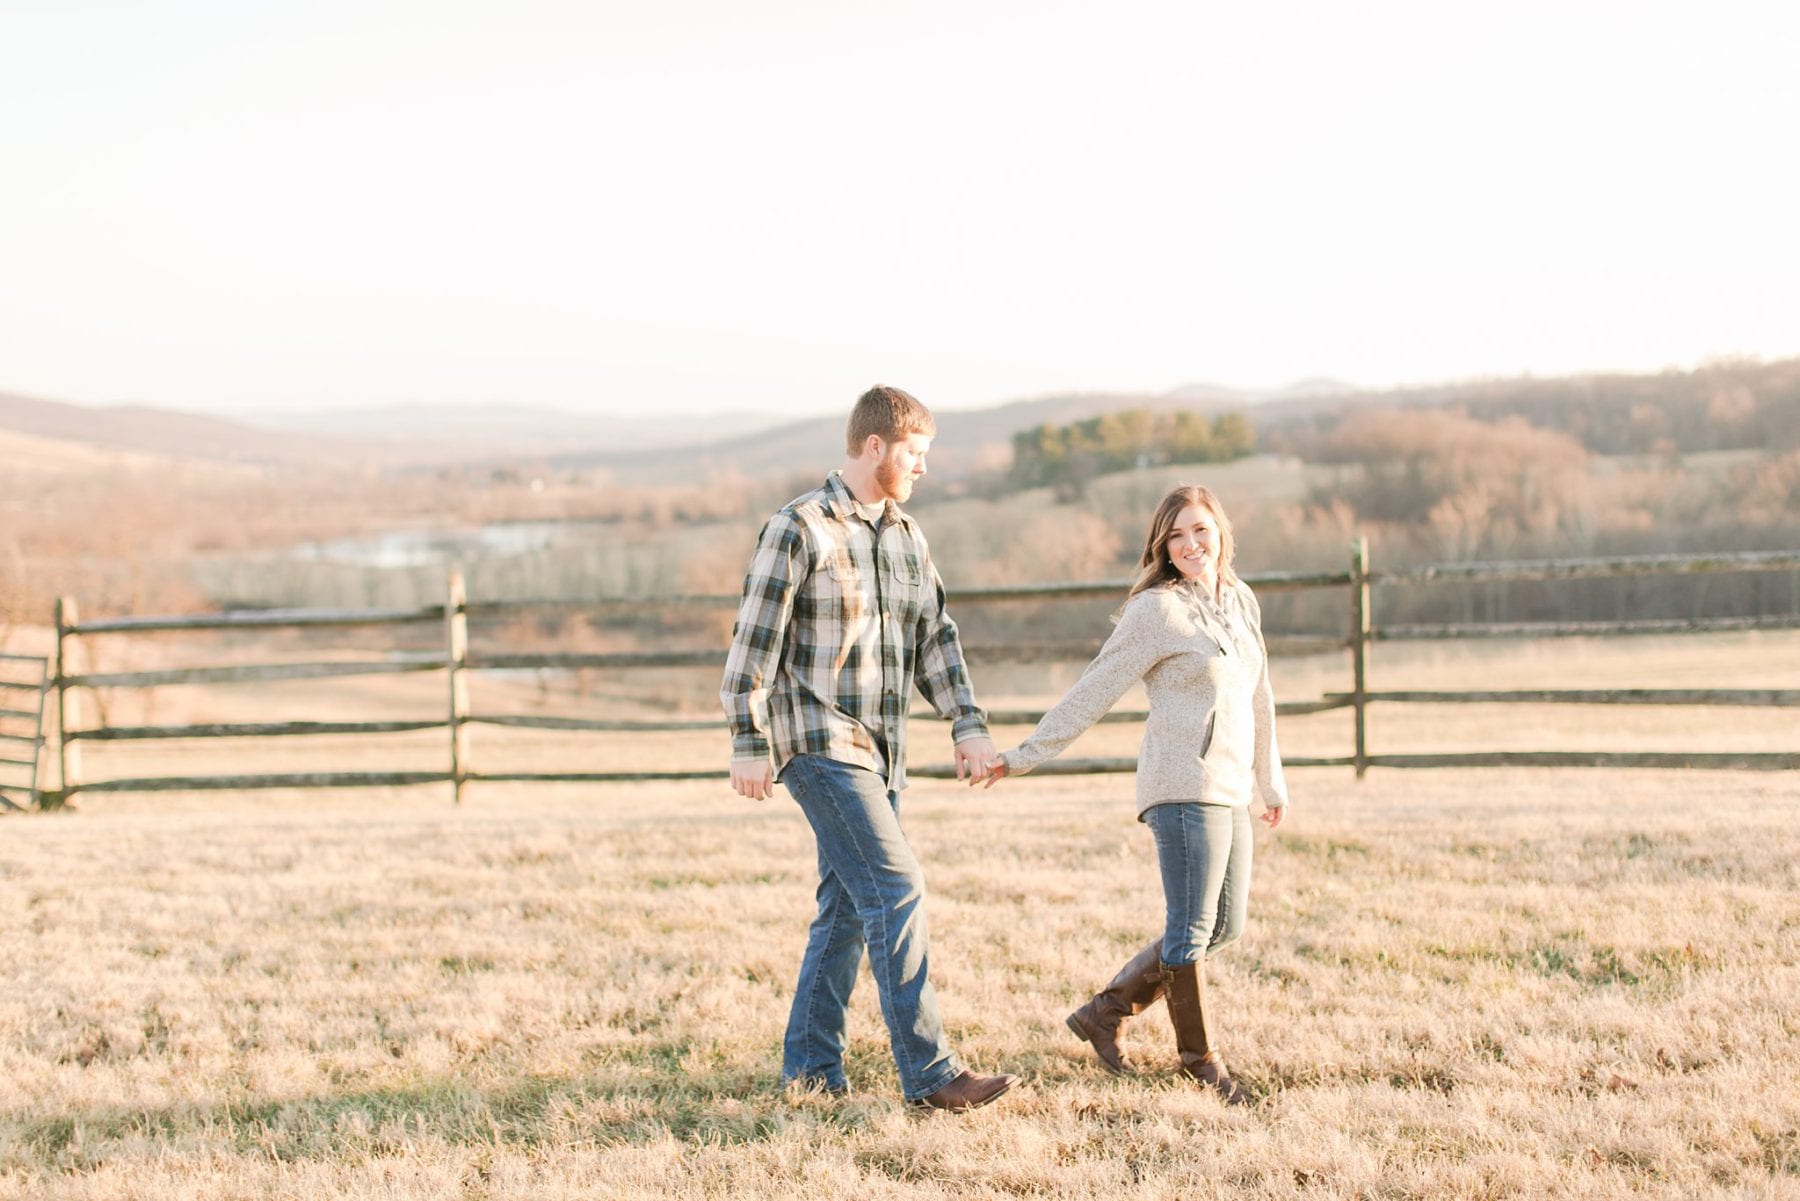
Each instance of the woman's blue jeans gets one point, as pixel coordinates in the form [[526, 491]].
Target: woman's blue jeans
[[871, 892], [1204, 852]]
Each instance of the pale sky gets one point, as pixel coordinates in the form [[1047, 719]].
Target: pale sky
[[702, 205]]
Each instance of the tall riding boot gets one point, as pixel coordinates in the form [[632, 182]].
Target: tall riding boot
[[1098, 1022], [1184, 986]]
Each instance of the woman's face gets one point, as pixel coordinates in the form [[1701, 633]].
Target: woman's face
[[1194, 544]]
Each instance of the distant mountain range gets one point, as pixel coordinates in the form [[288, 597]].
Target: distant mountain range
[[634, 450], [170, 432], [397, 436], [463, 431], [968, 439], [1712, 407], [1725, 405]]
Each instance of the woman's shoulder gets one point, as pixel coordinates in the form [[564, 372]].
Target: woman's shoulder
[[1154, 606], [1156, 596]]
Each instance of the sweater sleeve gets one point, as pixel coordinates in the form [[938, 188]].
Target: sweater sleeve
[[1271, 783], [1137, 643]]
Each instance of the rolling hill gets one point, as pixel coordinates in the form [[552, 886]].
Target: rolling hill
[[144, 429]]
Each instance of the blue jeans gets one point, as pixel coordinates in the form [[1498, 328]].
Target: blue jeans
[[871, 892], [1204, 852]]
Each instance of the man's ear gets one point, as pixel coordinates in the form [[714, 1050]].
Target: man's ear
[[873, 446]]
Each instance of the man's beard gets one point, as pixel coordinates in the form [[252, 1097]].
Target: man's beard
[[889, 478]]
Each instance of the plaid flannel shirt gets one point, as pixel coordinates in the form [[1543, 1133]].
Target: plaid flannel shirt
[[837, 622]]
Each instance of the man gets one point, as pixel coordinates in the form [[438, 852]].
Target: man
[[842, 611]]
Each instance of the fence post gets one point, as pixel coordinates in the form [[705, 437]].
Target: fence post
[[456, 631], [37, 746], [1359, 647], [68, 757]]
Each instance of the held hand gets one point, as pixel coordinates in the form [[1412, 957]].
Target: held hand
[[753, 779], [973, 757], [996, 773], [1272, 817]]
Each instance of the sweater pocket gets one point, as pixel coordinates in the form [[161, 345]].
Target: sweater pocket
[[1206, 739]]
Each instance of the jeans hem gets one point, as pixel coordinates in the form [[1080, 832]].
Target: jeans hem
[[950, 1073]]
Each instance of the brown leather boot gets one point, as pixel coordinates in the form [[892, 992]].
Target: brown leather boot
[[1184, 987], [1098, 1023], [967, 1091]]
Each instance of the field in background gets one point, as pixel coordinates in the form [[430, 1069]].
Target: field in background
[[137, 511], [138, 535], [1456, 984]]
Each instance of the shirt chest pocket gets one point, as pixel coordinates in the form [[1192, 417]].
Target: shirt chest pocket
[[903, 587], [839, 586], [840, 567]]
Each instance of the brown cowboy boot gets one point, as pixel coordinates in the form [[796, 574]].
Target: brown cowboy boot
[[968, 1091], [1184, 987], [1098, 1022]]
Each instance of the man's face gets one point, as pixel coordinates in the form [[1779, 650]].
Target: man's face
[[900, 465]]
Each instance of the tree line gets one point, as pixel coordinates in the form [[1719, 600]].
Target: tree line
[[1726, 405], [1065, 457]]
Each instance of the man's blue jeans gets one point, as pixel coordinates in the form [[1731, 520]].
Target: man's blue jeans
[[1204, 852], [871, 891]]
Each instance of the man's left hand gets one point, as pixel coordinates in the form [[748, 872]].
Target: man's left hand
[[974, 756]]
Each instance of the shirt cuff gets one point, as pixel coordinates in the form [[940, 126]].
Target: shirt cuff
[[966, 728], [748, 746]]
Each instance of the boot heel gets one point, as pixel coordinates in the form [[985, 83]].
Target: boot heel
[[1075, 1026]]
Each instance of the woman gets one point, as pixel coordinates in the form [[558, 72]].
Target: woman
[[1192, 631]]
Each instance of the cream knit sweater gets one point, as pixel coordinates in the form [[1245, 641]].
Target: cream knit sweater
[[1211, 732]]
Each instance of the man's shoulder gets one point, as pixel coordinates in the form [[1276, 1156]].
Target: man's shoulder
[[812, 501], [807, 511]]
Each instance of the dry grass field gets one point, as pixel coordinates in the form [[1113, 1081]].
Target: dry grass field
[[1455, 984]]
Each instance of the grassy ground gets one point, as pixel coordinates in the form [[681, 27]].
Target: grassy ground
[[1458, 984], [1455, 984]]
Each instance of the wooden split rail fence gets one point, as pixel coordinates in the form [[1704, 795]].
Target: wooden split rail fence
[[457, 662], [24, 686]]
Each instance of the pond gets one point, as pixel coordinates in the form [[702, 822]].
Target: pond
[[436, 546]]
